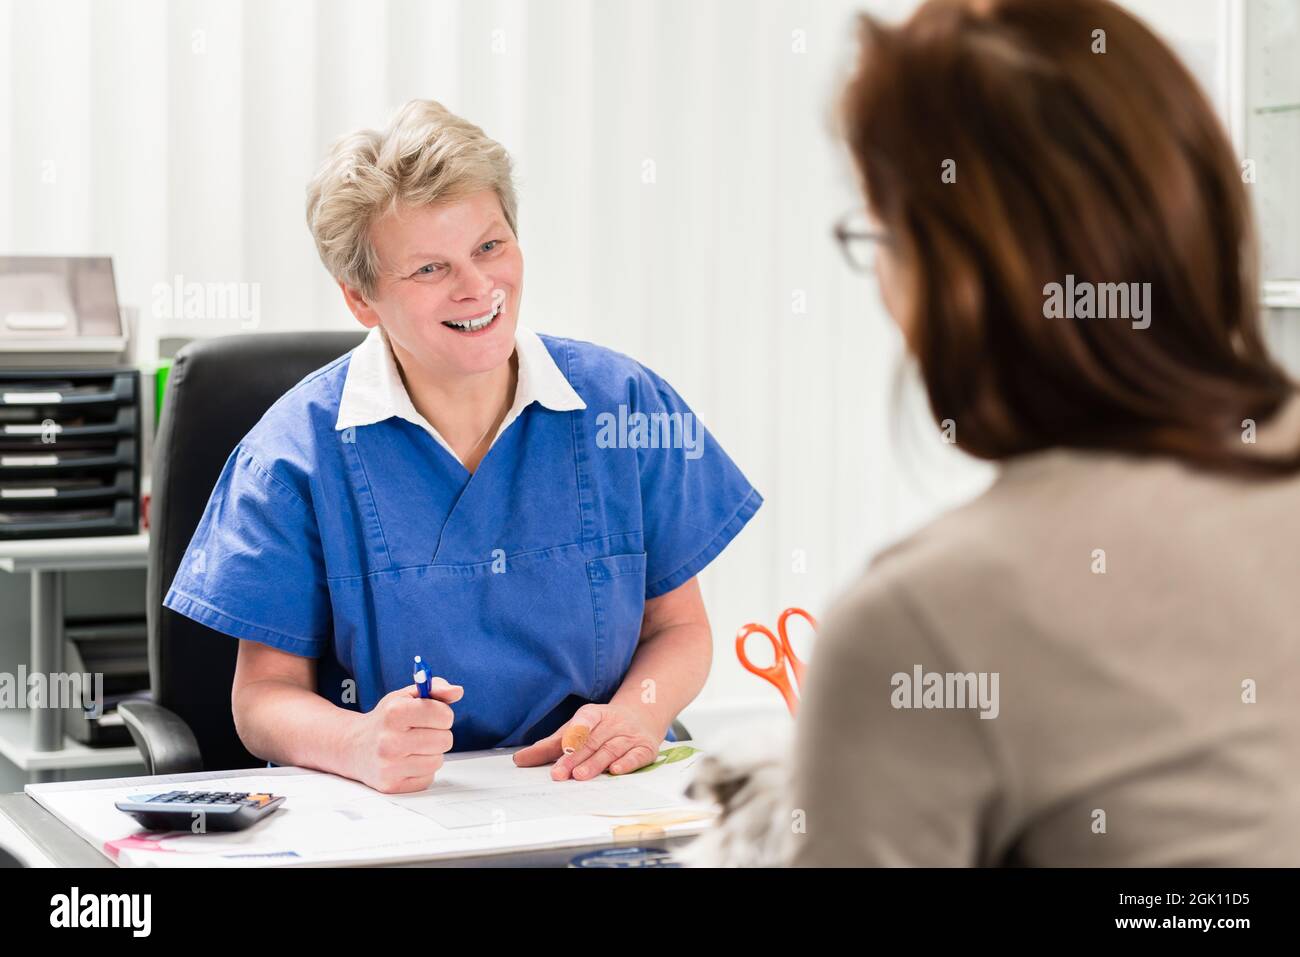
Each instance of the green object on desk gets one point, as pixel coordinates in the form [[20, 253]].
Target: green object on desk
[[164, 370], [666, 756]]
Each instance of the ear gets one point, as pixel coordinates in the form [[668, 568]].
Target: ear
[[362, 309]]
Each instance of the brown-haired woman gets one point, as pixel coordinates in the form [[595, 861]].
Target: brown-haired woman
[[1097, 661]]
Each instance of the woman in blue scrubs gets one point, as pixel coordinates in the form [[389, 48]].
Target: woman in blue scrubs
[[526, 513]]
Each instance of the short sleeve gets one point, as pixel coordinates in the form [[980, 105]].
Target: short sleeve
[[254, 568], [880, 785], [694, 498]]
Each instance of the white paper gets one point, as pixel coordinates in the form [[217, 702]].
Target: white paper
[[479, 803]]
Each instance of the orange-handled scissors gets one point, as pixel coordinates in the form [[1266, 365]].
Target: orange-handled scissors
[[784, 651]]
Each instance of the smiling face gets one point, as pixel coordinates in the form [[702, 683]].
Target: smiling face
[[450, 280]]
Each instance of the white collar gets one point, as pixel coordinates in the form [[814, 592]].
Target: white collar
[[373, 389]]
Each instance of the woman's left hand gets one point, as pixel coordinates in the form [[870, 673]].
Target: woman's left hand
[[618, 739]]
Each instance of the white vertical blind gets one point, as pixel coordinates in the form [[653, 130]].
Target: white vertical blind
[[677, 180]]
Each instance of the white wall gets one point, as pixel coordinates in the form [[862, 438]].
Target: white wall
[[178, 137]]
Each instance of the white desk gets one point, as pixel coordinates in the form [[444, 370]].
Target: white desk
[[45, 841]]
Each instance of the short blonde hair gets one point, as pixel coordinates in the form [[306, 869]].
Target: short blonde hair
[[426, 155]]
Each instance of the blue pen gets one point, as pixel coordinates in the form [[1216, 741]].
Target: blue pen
[[423, 680]]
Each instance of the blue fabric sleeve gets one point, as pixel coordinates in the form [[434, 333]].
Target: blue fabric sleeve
[[694, 498], [254, 568]]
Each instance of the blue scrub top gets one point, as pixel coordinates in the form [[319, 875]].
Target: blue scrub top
[[525, 582]]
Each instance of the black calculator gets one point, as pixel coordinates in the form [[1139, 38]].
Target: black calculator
[[199, 811]]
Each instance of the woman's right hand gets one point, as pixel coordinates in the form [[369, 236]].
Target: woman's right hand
[[400, 742]]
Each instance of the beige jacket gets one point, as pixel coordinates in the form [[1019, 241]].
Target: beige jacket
[[1143, 622]]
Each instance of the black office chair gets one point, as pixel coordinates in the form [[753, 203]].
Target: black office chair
[[217, 391]]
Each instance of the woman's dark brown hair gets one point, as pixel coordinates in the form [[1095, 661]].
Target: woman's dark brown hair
[[1109, 167]]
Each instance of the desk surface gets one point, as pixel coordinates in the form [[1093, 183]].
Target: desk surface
[[65, 848], [62, 845]]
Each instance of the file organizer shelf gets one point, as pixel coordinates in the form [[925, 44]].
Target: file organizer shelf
[[69, 453]]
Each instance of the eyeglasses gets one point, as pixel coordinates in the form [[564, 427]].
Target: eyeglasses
[[857, 239]]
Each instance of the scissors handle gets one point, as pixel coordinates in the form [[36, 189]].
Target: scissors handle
[[796, 665], [774, 673]]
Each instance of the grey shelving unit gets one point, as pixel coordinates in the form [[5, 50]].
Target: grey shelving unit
[[34, 740]]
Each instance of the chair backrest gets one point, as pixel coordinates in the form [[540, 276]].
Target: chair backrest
[[217, 391]]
